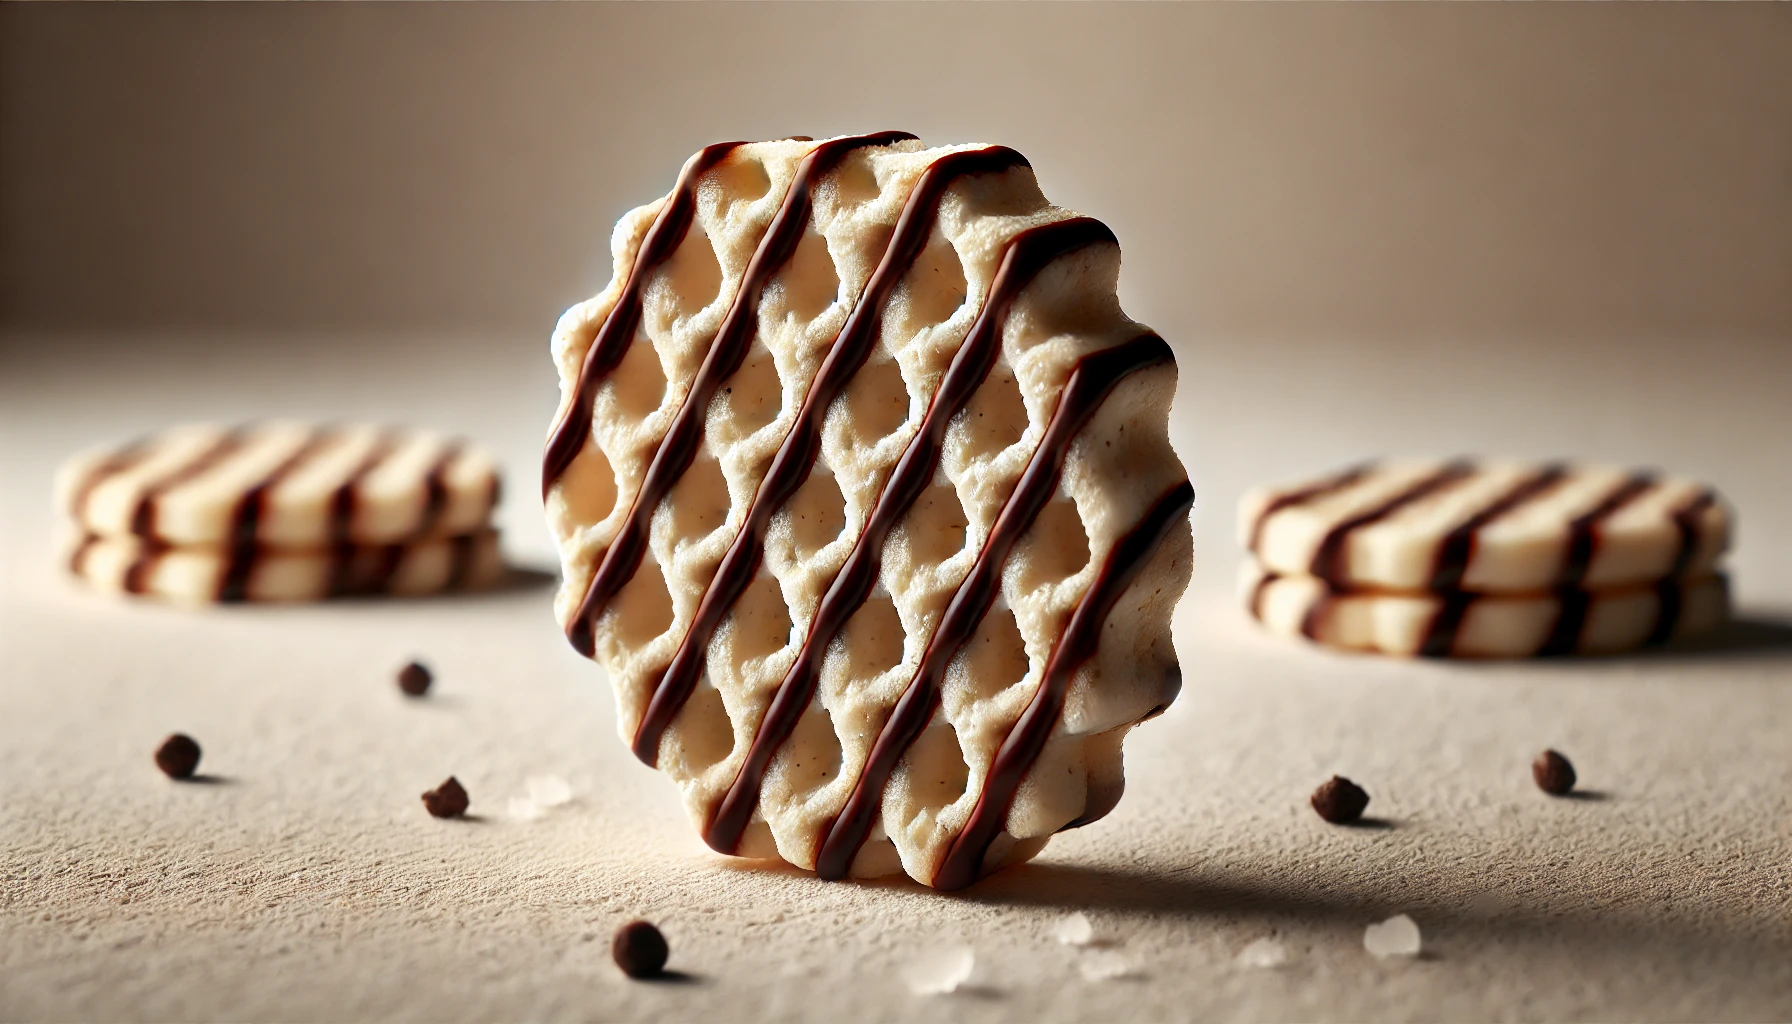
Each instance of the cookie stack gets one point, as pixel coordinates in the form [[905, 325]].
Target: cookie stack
[[282, 511], [1468, 559]]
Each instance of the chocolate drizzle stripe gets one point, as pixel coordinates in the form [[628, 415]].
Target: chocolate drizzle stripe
[[1024, 256], [726, 352], [1670, 603], [77, 560], [1076, 645], [795, 458], [1312, 492], [435, 487], [460, 560], [1329, 556], [1577, 557], [1686, 521], [107, 468], [1457, 549], [662, 239], [1264, 580], [143, 519], [1312, 623], [1091, 381], [245, 519], [343, 503]]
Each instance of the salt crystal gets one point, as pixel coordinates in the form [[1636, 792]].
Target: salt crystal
[[549, 790], [1397, 936], [1104, 965], [1265, 953], [521, 808], [1074, 929], [940, 971]]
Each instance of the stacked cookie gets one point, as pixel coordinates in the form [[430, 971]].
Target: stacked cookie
[[1480, 560], [282, 511]]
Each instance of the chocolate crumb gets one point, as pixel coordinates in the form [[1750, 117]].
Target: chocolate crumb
[[178, 756], [449, 800], [639, 949], [414, 679], [1553, 773], [1339, 800]]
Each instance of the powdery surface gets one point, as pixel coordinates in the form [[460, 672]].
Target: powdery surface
[[306, 881]]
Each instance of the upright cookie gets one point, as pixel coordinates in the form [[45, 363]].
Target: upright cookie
[[1486, 527], [865, 500]]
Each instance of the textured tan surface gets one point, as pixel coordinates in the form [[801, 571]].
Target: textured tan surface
[[308, 883]]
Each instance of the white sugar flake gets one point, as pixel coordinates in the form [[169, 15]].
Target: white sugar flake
[[1264, 954], [549, 790], [941, 971], [1398, 936], [1105, 965], [1074, 929]]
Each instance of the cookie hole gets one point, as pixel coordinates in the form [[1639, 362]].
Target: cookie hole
[[934, 286], [638, 384], [876, 402], [996, 657], [934, 768], [699, 501], [934, 528], [810, 759], [808, 281], [693, 274], [759, 625], [702, 734], [873, 638], [643, 610], [856, 183], [588, 487], [750, 399], [740, 179], [995, 418], [816, 514], [1055, 547]]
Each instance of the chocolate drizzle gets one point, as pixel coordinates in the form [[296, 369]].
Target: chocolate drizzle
[[795, 459], [1311, 492], [233, 585], [613, 338], [1076, 645], [726, 352], [1577, 558], [1026, 254], [343, 503], [1094, 377], [1328, 558], [108, 467], [143, 519], [1458, 548]]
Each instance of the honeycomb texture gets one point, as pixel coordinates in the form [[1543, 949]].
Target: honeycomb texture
[[1116, 468]]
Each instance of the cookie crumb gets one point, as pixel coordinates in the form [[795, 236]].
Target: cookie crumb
[[1553, 773], [449, 800], [178, 756], [940, 972], [639, 949], [1339, 800], [414, 679], [1074, 929]]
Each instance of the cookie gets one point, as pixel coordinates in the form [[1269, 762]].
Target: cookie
[[202, 574], [281, 485], [863, 491], [1486, 527], [1465, 624]]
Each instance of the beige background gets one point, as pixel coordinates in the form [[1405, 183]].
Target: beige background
[[1534, 229]]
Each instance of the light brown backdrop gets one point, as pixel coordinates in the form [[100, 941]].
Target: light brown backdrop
[[1271, 170]]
